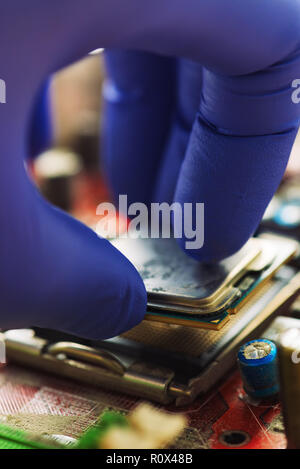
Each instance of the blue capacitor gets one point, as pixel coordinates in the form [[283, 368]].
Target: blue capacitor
[[258, 367]]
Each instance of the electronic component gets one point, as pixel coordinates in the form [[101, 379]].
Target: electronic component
[[257, 361], [280, 325], [163, 261], [289, 372], [145, 428], [54, 171], [178, 283]]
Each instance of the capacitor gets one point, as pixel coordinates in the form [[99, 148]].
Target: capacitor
[[258, 367]]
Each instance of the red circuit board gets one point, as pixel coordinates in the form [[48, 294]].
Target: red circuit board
[[44, 404]]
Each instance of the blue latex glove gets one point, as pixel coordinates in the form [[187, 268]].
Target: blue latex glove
[[55, 272], [41, 131]]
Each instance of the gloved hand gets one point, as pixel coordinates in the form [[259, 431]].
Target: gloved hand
[[41, 130], [55, 272], [218, 130]]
